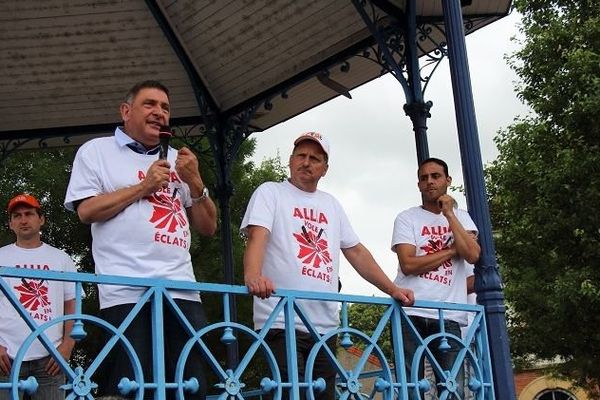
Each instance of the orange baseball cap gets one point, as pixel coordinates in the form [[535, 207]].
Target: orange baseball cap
[[25, 199]]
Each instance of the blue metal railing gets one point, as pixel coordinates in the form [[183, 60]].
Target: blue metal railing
[[390, 381]]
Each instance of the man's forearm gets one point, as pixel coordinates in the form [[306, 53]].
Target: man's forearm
[[67, 341], [465, 244], [105, 206], [415, 265], [203, 216], [363, 262]]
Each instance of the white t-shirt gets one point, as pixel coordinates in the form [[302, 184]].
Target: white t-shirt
[[149, 238], [430, 233], [43, 299], [307, 231]]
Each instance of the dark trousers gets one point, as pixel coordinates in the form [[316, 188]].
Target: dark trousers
[[446, 358], [323, 366], [117, 365]]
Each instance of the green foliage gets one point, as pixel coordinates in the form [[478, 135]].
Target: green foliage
[[544, 188], [365, 318], [45, 174]]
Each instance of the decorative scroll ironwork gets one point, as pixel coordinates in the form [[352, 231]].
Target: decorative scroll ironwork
[[7, 147], [390, 52], [390, 380]]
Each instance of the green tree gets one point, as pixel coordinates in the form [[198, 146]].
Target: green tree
[[45, 173], [544, 188], [365, 318]]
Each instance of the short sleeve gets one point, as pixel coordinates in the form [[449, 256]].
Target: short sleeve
[[348, 238], [467, 222], [261, 208], [85, 181], [403, 231]]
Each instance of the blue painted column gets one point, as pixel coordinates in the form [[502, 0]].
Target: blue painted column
[[487, 277]]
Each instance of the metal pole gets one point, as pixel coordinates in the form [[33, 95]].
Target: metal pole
[[416, 108], [418, 113], [487, 277], [224, 193]]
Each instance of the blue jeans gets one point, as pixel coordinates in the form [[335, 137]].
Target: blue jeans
[[427, 327], [49, 386]]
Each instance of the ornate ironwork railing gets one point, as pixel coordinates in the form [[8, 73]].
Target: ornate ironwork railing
[[257, 372]]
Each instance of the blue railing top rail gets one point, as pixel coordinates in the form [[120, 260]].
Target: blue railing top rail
[[391, 381], [83, 277]]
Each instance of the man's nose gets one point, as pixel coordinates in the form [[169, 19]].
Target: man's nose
[[158, 111]]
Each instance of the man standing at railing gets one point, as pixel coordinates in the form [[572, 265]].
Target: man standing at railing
[[295, 233], [435, 243], [141, 206], [44, 300]]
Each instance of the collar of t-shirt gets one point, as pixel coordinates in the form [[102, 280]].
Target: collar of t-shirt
[[124, 139]]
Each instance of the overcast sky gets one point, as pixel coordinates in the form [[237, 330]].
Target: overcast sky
[[372, 167]]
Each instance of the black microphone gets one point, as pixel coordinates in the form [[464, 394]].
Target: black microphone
[[164, 135]]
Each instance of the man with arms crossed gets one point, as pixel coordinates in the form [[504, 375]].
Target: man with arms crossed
[[435, 243], [141, 209], [43, 299], [295, 233]]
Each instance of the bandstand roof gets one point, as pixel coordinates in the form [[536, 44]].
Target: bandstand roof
[[65, 64]]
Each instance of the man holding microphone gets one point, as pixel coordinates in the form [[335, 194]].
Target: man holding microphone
[[141, 208]]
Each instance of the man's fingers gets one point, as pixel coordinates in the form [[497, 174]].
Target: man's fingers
[[5, 364], [260, 287], [52, 367], [405, 296], [263, 289]]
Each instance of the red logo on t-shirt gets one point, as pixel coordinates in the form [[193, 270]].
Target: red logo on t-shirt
[[33, 294], [437, 244], [313, 249], [443, 273], [167, 212]]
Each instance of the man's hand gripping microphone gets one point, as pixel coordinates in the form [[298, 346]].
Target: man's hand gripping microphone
[[164, 135]]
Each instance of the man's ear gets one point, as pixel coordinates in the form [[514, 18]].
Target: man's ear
[[42, 220], [326, 169], [125, 108]]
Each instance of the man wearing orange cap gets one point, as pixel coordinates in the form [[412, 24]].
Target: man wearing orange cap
[[44, 300], [295, 235]]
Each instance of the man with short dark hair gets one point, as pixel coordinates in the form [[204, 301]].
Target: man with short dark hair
[[44, 300], [435, 244], [295, 235], [141, 208]]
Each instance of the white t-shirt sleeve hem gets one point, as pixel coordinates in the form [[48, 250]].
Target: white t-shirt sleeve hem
[[84, 182], [260, 209]]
